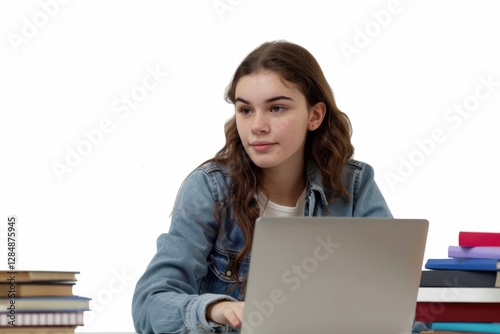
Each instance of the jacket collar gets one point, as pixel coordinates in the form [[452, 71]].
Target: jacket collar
[[315, 181]]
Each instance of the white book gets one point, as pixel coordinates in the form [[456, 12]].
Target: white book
[[42, 319], [458, 294]]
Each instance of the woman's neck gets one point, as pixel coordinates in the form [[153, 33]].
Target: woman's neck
[[283, 187]]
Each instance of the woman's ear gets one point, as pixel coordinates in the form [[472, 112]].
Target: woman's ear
[[316, 115]]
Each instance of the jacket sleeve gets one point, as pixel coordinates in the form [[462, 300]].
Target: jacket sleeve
[[166, 297], [368, 200]]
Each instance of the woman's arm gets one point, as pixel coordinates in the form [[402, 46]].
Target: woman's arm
[[166, 297], [368, 200]]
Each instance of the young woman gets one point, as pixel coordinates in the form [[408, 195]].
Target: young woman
[[287, 153]]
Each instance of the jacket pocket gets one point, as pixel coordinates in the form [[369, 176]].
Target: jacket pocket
[[220, 276]]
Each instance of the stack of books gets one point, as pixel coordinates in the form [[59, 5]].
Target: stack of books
[[461, 293], [40, 302]]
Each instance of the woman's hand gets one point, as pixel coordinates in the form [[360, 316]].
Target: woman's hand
[[226, 313]]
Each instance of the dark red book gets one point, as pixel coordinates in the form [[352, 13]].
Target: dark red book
[[457, 312], [472, 239]]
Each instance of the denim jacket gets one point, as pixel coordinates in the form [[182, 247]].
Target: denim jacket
[[191, 268]]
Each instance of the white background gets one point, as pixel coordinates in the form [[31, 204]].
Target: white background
[[66, 66]]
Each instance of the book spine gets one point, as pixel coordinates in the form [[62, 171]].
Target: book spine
[[485, 252], [45, 319], [457, 312], [459, 278], [466, 327], [471, 239]]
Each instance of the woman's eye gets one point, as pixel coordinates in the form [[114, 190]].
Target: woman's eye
[[245, 111], [278, 109]]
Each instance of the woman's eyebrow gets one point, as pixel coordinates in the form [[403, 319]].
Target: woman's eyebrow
[[282, 97], [272, 99], [241, 100]]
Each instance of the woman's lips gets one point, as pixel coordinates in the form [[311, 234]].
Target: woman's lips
[[262, 146]]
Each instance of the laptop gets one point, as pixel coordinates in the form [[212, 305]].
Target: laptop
[[334, 275]]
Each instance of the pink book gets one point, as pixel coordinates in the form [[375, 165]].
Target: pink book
[[471, 239]]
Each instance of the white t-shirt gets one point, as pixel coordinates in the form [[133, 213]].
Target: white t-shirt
[[270, 209]]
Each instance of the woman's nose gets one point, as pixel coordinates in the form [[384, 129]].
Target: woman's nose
[[260, 122]]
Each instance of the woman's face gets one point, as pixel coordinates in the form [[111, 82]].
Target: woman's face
[[272, 119]]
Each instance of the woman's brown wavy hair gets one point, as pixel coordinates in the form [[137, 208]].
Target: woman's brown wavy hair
[[329, 146]]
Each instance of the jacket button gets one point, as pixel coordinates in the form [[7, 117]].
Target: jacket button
[[228, 273]]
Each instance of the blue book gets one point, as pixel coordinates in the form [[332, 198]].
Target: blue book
[[463, 264], [476, 327]]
